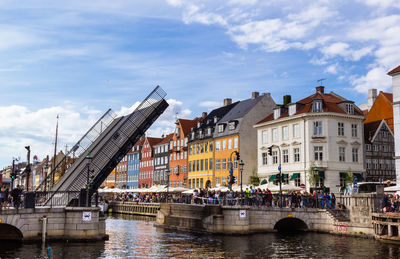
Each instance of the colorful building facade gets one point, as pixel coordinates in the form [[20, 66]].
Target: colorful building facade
[[201, 148], [178, 158], [133, 162], [146, 165]]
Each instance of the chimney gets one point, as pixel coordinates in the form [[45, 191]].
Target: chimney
[[227, 101], [320, 89], [204, 115], [287, 99], [372, 93], [254, 95]]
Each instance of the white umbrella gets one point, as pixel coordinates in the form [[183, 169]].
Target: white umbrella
[[178, 189], [189, 191], [289, 187], [270, 186]]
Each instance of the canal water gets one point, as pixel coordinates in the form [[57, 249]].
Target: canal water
[[136, 237]]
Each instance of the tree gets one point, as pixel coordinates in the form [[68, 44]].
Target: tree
[[313, 176]]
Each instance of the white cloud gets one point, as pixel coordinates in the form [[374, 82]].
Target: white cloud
[[375, 78], [332, 69], [209, 104]]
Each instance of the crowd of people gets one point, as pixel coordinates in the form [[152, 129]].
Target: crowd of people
[[390, 203], [13, 198], [251, 197]]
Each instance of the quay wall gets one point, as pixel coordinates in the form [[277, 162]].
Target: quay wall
[[68, 223]]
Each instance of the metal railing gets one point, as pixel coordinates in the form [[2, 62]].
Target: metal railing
[[63, 198]]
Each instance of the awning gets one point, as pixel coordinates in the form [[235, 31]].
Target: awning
[[321, 174], [294, 176], [272, 177], [285, 176], [264, 182], [359, 176]]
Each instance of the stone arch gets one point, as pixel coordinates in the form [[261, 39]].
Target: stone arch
[[290, 224], [10, 232], [208, 184]]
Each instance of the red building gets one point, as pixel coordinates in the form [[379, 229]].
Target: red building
[[146, 165]]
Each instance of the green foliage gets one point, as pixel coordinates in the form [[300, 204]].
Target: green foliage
[[349, 177], [313, 177], [254, 180]]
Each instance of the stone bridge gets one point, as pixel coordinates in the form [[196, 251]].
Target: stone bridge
[[246, 219], [68, 223]]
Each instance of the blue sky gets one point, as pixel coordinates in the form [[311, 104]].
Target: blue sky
[[79, 58]]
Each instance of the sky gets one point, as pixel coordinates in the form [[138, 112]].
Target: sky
[[76, 59]]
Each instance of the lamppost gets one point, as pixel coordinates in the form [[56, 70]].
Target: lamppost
[[89, 160], [13, 173], [280, 172], [28, 167], [167, 172], [241, 165]]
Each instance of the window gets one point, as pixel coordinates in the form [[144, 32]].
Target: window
[[224, 144], [354, 131], [224, 164], [208, 131], [275, 134], [206, 147], [197, 148], [285, 154], [277, 113], [197, 165], [211, 147], [201, 182], [376, 148], [211, 164], [368, 163], [264, 136], [296, 131], [317, 106], [274, 157], [220, 128], [232, 125], [202, 148], [197, 182], [354, 152], [375, 163], [229, 144], [349, 108], [218, 146], [388, 164], [235, 142], [318, 153], [190, 166], [201, 165], [264, 158], [296, 154], [297, 181], [342, 154], [217, 181], [342, 179], [217, 164], [340, 129], [368, 147], [292, 109], [317, 128], [190, 183], [285, 133], [235, 162], [206, 164]]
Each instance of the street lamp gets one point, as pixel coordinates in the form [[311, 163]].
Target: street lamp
[[89, 160], [28, 167], [168, 172], [241, 165]]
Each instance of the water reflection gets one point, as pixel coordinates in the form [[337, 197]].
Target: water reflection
[[136, 237]]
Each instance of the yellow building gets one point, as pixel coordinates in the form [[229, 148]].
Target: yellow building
[[225, 148], [201, 148]]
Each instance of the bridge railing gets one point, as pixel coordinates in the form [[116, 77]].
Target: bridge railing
[[63, 198]]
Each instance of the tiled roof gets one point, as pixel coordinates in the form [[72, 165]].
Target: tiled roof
[[153, 141], [331, 103], [389, 96], [166, 139], [241, 109], [187, 125], [365, 112], [395, 70]]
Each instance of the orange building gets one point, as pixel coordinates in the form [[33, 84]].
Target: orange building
[[110, 180], [382, 109], [178, 159]]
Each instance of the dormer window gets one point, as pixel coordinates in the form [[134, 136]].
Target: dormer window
[[209, 132], [215, 119], [192, 135], [198, 124], [200, 134], [292, 109], [221, 128], [277, 113], [317, 106], [232, 125], [177, 132], [349, 108]]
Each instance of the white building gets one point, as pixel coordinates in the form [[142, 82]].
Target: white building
[[395, 73], [322, 133]]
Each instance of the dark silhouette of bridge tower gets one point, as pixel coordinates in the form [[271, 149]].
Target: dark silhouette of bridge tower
[[98, 152]]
